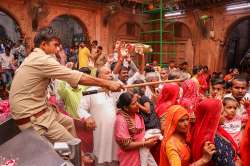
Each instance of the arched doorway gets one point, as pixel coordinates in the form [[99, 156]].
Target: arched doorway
[[3, 32], [70, 30], [10, 31], [129, 32], [237, 48], [178, 46]]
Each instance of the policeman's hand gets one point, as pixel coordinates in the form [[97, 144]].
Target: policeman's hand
[[90, 123], [115, 86]]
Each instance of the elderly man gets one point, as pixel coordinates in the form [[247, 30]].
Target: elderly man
[[152, 91], [28, 94], [99, 112]]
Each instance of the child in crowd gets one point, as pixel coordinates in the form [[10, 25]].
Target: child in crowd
[[217, 88], [233, 122]]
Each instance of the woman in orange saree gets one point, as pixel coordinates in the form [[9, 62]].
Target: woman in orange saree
[[174, 148]]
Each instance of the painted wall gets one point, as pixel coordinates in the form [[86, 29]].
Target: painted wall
[[90, 15], [207, 51]]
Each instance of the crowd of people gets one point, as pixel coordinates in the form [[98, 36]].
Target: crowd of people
[[202, 118], [11, 56]]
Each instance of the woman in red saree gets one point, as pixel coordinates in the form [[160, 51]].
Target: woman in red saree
[[167, 98], [245, 146], [207, 121], [174, 148], [206, 128]]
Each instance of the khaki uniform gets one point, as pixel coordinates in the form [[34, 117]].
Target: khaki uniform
[[28, 95]]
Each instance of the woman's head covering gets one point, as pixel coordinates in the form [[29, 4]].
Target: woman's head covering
[[207, 121], [245, 145], [167, 98], [190, 95], [174, 114]]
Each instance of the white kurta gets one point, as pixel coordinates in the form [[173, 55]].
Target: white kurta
[[102, 107]]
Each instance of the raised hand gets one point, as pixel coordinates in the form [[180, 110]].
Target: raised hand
[[246, 102], [208, 151]]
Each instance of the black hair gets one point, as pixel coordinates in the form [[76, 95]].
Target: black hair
[[196, 69], [112, 66], [98, 71], [7, 48], [124, 68], [85, 70], [216, 81], [124, 100], [215, 75], [149, 69], [241, 78], [173, 75], [45, 34], [138, 90], [95, 42], [205, 67], [226, 99], [228, 85], [138, 82], [184, 63]]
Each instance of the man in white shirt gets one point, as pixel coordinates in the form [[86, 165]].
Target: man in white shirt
[[7, 60], [99, 113]]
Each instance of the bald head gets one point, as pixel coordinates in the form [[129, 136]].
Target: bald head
[[104, 73]]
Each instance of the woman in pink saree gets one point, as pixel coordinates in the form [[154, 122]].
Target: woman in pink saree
[[190, 96], [129, 131]]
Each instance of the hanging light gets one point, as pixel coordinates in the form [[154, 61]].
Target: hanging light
[[172, 14], [238, 6]]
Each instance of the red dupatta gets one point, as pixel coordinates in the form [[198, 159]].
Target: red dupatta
[[167, 98], [207, 121], [245, 146]]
